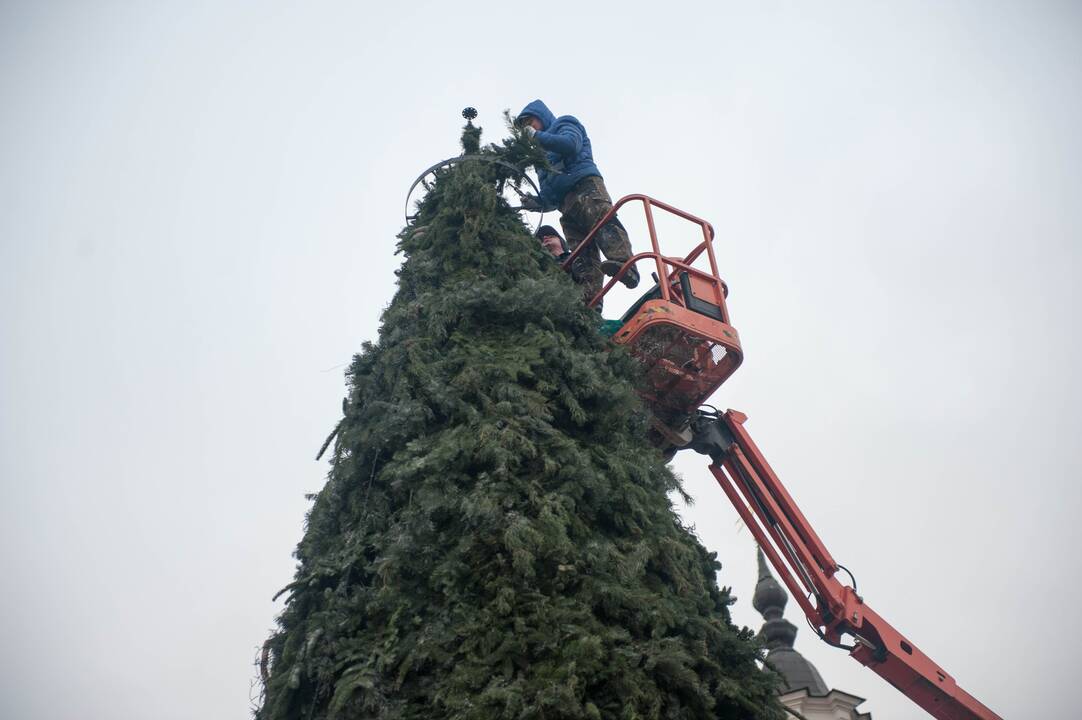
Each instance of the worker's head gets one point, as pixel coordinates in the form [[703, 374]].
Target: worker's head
[[536, 115], [551, 240], [532, 121]]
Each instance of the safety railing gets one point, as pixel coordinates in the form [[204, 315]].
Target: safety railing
[[668, 268]]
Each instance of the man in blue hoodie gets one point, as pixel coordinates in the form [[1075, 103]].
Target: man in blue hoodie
[[573, 184]]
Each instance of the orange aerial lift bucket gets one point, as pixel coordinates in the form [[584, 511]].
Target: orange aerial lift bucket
[[679, 329]]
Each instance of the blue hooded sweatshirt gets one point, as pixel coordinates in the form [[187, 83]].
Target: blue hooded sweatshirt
[[568, 151]]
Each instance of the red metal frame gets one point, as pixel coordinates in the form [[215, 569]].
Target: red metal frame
[[807, 569], [719, 289], [674, 387]]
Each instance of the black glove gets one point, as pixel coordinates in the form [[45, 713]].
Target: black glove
[[531, 203], [580, 269]]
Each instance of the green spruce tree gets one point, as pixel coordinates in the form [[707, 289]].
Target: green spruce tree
[[496, 539]]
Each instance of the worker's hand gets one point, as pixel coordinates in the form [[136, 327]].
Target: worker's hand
[[553, 245], [529, 131], [580, 269], [531, 203]]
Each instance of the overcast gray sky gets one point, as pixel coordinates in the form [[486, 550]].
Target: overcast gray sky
[[199, 202]]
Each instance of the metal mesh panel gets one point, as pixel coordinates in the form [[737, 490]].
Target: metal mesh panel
[[673, 376], [717, 352]]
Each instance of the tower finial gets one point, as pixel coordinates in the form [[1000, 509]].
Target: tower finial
[[769, 600], [764, 569]]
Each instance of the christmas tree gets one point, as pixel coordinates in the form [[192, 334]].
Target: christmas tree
[[496, 538]]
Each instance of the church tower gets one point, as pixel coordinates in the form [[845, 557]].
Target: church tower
[[804, 689]]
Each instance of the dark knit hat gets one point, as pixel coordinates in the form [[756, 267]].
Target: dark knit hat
[[546, 231]]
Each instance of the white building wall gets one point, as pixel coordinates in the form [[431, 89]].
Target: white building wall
[[836, 705]]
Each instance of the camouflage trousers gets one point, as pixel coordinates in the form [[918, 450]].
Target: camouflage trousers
[[582, 207]]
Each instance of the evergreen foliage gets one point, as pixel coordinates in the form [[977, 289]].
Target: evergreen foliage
[[495, 539]]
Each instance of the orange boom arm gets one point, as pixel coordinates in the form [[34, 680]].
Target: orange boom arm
[[681, 333]]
